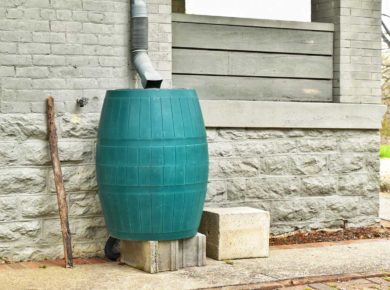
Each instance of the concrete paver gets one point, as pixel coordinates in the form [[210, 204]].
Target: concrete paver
[[320, 286], [381, 281], [357, 284], [304, 287], [283, 263], [368, 256]]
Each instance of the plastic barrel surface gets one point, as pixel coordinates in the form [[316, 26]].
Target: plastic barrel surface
[[152, 163]]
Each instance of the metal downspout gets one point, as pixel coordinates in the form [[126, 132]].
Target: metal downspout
[[150, 78]]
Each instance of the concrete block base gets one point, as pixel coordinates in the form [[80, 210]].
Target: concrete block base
[[160, 256], [235, 233], [384, 206]]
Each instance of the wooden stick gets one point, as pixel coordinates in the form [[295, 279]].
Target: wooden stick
[[59, 183]]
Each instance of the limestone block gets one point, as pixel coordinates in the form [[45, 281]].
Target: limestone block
[[309, 164], [296, 210], [245, 167], [160, 256], [319, 185], [216, 191], [272, 187], [90, 249], [9, 208], [384, 207], [353, 184], [84, 204], [88, 228], [38, 206], [234, 233], [22, 126], [276, 165], [236, 188], [22, 180], [13, 231], [339, 163], [75, 126], [78, 178]]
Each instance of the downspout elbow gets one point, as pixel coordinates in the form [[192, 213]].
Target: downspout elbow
[[150, 78]]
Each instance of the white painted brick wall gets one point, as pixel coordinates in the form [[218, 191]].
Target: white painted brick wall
[[357, 62], [64, 44], [68, 49]]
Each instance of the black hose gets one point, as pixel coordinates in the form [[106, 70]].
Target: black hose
[[111, 249]]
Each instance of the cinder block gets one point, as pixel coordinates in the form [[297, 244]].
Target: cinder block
[[384, 206], [235, 233], [160, 256]]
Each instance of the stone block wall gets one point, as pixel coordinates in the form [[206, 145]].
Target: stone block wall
[[307, 179], [67, 49], [357, 47]]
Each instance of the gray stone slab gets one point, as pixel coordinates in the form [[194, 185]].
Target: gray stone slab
[[247, 114]]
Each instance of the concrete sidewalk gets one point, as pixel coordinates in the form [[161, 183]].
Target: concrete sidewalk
[[285, 262]]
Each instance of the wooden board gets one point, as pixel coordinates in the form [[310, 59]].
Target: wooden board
[[281, 24], [260, 39], [59, 183], [233, 63], [256, 89]]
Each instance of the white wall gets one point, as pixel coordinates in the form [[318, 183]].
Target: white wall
[[297, 10], [266, 9]]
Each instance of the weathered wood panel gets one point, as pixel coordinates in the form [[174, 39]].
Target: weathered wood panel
[[227, 37], [209, 62], [256, 89], [251, 22], [246, 59]]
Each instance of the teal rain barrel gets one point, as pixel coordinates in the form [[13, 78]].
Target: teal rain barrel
[[152, 163]]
